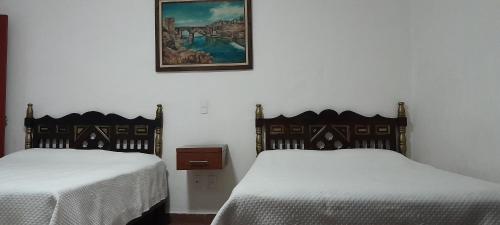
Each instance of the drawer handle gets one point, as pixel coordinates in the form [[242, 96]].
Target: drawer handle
[[198, 163]]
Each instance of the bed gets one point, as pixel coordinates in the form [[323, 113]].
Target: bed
[[86, 168], [355, 172]]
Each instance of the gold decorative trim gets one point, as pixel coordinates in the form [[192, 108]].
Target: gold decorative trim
[[277, 129], [79, 130], [104, 131], [383, 129], [316, 130], [61, 130], [122, 129], [346, 135], [296, 129], [362, 129], [141, 130], [42, 129]]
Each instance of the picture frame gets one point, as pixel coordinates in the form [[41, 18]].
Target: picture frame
[[203, 35]]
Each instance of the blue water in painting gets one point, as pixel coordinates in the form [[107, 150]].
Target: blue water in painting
[[221, 50]]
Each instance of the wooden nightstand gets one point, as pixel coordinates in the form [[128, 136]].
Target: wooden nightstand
[[201, 157]]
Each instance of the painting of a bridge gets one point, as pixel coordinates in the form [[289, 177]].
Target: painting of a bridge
[[203, 35]]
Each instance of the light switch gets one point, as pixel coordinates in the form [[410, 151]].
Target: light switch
[[204, 107]]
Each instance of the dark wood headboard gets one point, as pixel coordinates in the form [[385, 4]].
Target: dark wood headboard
[[331, 131], [94, 130]]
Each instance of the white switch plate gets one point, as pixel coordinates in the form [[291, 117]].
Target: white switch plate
[[204, 107], [197, 180], [211, 182]]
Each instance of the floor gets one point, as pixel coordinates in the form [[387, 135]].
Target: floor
[[190, 219], [190, 223]]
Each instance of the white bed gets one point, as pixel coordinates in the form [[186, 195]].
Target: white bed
[[64, 186], [356, 187]]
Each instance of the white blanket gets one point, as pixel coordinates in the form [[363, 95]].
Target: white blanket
[[66, 187], [362, 187]]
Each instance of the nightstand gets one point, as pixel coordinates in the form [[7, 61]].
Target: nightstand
[[201, 157]]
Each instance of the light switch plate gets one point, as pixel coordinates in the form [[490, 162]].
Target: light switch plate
[[204, 107], [211, 182]]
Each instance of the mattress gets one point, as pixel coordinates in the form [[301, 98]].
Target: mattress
[[356, 186], [65, 186]]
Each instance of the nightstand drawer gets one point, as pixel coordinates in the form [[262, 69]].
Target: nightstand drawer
[[200, 158]]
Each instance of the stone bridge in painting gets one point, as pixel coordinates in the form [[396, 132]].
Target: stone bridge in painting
[[205, 30]]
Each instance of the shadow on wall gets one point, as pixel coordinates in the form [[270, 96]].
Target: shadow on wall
[[209, 189]]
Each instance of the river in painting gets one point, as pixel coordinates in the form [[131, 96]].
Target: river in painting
[[222, 51]]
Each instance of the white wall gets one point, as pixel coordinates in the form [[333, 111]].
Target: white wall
[[75, 56], [455, 77]]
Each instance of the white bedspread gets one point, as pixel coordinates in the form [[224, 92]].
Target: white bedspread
[[72, 187], [362, 187]]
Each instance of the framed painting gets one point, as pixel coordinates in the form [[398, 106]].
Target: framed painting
[[203, 35]]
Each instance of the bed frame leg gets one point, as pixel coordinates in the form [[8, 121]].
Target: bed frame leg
[[402, 127], [28, 140], [259, 114]]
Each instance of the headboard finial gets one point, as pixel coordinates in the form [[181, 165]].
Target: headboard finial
[[401, 109], [159, 111], [259, 114], [29, 111]]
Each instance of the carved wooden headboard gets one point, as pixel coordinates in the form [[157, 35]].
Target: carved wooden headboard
[[330, 131], [94, 130]]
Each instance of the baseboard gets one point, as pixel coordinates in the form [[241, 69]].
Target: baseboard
[[191, 218]]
